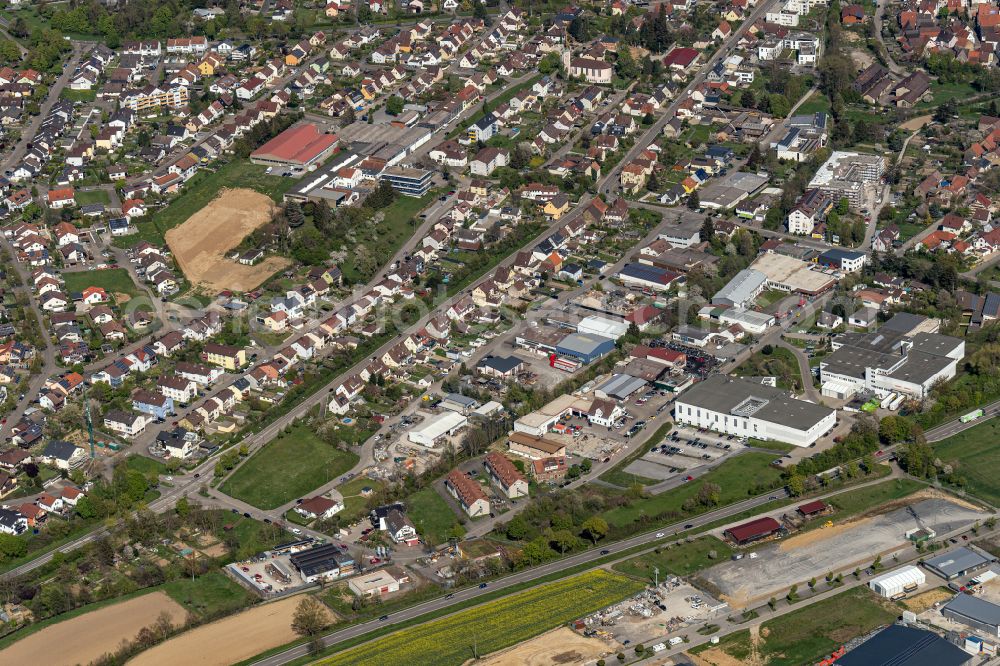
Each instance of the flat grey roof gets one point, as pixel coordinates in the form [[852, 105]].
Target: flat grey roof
[[622, 386], [919, 367], [904, 322], [723, 394], [974, 608], [741, 288], [933, 343], [954, 563]]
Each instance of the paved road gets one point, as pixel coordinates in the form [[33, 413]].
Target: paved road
[[879, 16], [804, 370], [954, 427], [525, 576]]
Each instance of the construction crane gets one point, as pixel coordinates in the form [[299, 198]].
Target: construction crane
[[90, 428]]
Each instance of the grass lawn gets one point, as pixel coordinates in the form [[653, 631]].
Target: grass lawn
[[397, 227], [355, 506], [780, 364], [86, 197], [943, 92], [681, 560], [738, 477], [147, 466], [78, 96], [817, 102], [208, 595], [111, 280], [806, 635], [975, 455], [431, 515], [289, 467], [200, 190], [449, 641]]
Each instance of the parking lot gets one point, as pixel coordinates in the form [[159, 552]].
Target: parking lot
[[683, 449], [268, 573]]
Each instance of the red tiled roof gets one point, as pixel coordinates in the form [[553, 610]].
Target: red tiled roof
[[302, 144]]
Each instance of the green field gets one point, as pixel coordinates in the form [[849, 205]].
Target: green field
[[738, 478], [78, 96], [92, 196], [398, 225], [147, 466], [975, 455], [291, 466], [209, 595], [681, 560], [808, 634], [355, 506], [492, 626], [817, 102], [112, 280], [945, 92], [431, 515], [200, 190], [859, 500], [780, 364]]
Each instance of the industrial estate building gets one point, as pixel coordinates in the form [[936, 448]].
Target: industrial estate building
[[959, 562], [898, 644], [299, 146], [890, 360], [735, 406]]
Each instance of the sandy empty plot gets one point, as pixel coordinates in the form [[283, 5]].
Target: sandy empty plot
[[83, 639], [227, 641], [921, 602], [201, 243], [560, 646], [916, 123]]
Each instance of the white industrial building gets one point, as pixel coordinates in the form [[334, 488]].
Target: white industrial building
[[892, 359], [742, 289], [436, 426], [608, 328], [750, 321], [736, 406], [900, 581]]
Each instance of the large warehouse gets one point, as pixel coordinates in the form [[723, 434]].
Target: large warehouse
[[585, 347], [786, 273], [640, 275], [974, 612], [889, 361], [959, 562], [436, 426], [736, 406], [299, 146], [898, 644], [741, 290]]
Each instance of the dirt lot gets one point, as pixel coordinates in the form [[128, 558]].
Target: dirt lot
[[561, 646], [921, 602], [201, 243], [839, 548], [916, 123], [228, 641], [85, 638]]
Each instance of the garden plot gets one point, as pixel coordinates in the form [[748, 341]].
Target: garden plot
[[855, 543]]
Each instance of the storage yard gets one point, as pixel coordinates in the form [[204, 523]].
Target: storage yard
[[792, 561]]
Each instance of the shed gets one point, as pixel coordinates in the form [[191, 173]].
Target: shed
[[753, 530], [811, 508]]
